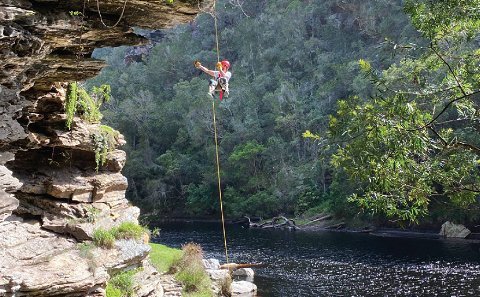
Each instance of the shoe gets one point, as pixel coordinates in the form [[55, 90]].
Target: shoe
[[211, 95], [226, 92]]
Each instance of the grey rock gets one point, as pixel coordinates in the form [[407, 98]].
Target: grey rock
[[37, 262], [244, 274], [7, 205], [211, 263], [243, 289], [451, 230]]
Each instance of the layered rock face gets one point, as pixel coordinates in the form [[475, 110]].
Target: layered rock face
[[51, 195]]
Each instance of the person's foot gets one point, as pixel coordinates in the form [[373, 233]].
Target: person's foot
[[210, 94], [226, 92]]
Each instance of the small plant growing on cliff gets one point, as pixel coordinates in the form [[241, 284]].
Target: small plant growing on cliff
[[104, 140], [129, 230], [104, 238], [92, 214], [75, 13], [71, 103], [84, 104], [121, 285], [126, 230]]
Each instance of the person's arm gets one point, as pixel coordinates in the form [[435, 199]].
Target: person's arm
[[205, 69], [220, 69]]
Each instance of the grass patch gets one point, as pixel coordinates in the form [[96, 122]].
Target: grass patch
[[186, 264], [121, 285], [126, 230], [111, 291], [164, 258], [104, 238], [129, 230]]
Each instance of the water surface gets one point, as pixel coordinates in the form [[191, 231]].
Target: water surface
[[339, 264]]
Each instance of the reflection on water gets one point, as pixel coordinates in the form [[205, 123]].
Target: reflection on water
[[340, 264]]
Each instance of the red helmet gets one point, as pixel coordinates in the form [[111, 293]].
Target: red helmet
[[225, 64]]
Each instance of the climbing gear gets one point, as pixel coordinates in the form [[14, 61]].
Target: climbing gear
[[219, 66], [225, 65]]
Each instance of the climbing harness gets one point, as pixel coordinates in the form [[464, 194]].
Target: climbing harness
[[216, 144]]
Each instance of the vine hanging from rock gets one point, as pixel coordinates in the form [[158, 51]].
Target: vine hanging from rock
[[104, 140], [85, 105]]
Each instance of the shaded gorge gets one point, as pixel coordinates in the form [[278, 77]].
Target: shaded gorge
[[339, 264]]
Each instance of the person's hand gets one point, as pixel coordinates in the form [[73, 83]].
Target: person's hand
[[197, 64], [219, 66]]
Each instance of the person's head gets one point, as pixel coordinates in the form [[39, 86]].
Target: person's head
[[225, 65]]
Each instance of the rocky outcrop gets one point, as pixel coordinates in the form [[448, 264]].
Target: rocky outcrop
[[51, 194], [240, 280]]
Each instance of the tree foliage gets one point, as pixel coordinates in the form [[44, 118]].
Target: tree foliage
[[404, 137], [416, 140]]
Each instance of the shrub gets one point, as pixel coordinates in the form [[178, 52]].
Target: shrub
[[191, 272]]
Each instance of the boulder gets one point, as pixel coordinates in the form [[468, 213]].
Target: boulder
[[451, 230], [244, 274], [35, 262], [243, 289], [220, 279], [211, 263]]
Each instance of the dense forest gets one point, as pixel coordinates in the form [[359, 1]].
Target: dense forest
[[362, 109]]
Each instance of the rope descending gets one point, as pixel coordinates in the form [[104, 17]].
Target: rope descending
[[216, 144]]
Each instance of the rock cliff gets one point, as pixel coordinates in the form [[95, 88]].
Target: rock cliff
[[51, 195]]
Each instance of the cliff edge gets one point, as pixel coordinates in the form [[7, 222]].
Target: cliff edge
[[52, 198]]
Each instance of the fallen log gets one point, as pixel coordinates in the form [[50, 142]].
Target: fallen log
[[336, 226], [274, 223], [235, 266], [327, 217]]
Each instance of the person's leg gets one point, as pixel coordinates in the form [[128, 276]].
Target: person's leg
[[211, 87]]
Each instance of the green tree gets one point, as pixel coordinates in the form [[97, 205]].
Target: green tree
[[416, 140]]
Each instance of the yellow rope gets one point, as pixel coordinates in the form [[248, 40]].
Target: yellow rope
[[219, 181], [216, 145], [216, 30]]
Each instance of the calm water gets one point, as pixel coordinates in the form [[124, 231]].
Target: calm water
[[340, 264]]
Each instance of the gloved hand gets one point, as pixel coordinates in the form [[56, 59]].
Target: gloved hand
[[219, 65], [197, 64]]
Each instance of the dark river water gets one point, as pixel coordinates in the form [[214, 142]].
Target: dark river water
[[339, 264]]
